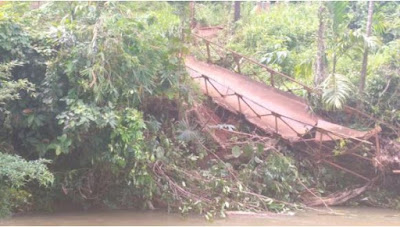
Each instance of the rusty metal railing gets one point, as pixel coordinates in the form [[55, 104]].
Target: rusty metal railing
[[210, 83], [275, 75], [239, 58]]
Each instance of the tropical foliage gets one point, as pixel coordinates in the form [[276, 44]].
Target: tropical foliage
[[95, 105], [73, 76]]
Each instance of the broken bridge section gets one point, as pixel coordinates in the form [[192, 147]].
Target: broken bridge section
[[273, 107], [267, 107]]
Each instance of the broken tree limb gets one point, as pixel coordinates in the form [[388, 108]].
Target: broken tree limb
[[338, 198], [203, 122]]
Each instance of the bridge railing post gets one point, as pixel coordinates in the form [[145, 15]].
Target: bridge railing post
[[208, 51], [377, 147], [205, 83], [238, 100], [237, 58], [271, 78]]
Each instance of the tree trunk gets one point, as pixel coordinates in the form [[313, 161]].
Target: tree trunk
[[263, 6], [365, 56], [320, 65], [267, 5], [259, 7], [192, 14], [237, 11], [334, 61]]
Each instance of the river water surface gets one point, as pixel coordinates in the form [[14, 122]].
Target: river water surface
[[342, 216]]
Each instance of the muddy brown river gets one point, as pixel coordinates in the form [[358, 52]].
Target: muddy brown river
[[342, 216]]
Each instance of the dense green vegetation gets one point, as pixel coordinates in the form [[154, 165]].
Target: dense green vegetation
[[95, 104], [285, 38], [75, 75]]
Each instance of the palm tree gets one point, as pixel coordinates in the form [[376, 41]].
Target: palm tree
[[237, 11], [365, 57], [320, 64], [338, 16]]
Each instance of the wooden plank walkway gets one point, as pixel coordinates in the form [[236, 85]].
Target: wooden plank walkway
[[264, 106]]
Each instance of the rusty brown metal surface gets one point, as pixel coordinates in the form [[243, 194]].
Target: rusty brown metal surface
[[274, 74], [275, 108], [265, 106], [269, 70], [208, 32]]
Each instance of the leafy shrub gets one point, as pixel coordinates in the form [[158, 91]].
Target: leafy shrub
[[15, 172]]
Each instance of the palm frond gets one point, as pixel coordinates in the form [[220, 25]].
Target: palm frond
[[188, 133], [153, 124], [338, 13], [372, 42], [380, 23], [336, 90]]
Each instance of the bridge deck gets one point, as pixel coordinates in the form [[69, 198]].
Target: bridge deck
[[260, 99]]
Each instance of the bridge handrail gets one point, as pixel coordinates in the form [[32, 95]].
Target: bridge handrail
[[321, 130], [307, 88], [272, 71]]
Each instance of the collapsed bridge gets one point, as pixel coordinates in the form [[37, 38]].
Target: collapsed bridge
[[269, 108]]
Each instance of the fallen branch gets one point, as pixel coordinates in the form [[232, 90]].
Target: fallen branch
[[203, 122], [338, 198]]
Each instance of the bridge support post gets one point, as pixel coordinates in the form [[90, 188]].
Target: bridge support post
[[320, 141], [237, 61], [271, 78], [205, 84], [238, 98], [208, 52], [378, 151]]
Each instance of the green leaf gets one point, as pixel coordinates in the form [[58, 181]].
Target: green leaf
[[160, 152], [236, 151], [257, 160], [58, 150], [260, 148], [248, 149]]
